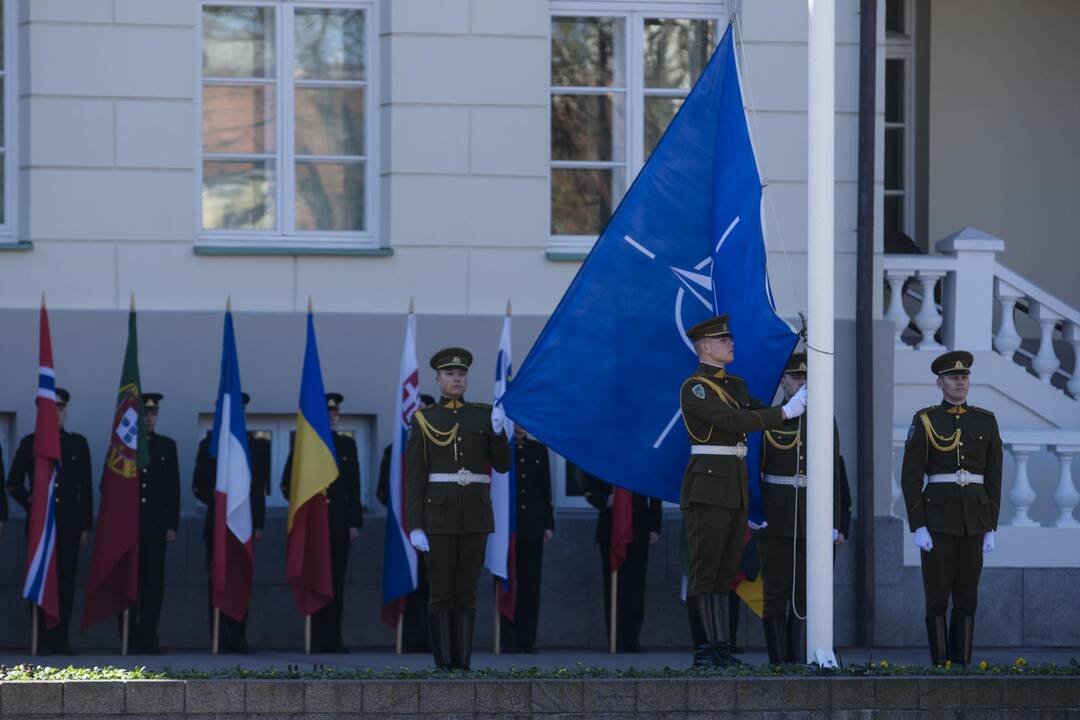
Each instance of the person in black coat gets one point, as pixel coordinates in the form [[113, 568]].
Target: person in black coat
[[3, 495], [414, 630], [74, 500], [647, 516], [535, 526], [346, 516], [232, 634], [159, 520]]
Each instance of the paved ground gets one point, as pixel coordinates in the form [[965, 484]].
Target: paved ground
[[280, 659]]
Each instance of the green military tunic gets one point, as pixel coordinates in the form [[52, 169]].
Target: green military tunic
[[718, 410], [448, 438], [944, 439]]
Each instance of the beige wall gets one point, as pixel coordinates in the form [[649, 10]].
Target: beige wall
[[1004, 141]]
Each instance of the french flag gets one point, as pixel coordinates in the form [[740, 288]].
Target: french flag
[[40, 585], [399, 556], [500, 552], [234, 551]]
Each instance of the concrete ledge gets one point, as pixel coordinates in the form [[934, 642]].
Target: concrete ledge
[[292, 250], [22, 245], [619, 699]]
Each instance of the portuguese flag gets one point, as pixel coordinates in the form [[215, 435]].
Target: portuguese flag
[[114, 569]]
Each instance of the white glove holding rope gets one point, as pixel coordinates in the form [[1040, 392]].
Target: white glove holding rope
[[498, 419], [796, 406], [988, 542], [418, 539], [922, 539]]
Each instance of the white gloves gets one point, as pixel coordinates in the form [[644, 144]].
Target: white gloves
[[796, 406], [922, 539], [835, 535], [418, 539], [988, 542], [498, 419], [754, 526]]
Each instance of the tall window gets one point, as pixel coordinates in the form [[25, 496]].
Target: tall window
[[287, 122], [617, 80], [899, 115]]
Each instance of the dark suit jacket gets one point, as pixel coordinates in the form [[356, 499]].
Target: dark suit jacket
[[74, 493], [159, 489], [533, 483], [205, 480], [343, 495], [647, 512]]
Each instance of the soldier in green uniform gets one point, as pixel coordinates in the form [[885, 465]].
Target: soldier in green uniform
[[782, 539], [951, 480], [453, 446], [159, 519], [346, 516], [718, 411]]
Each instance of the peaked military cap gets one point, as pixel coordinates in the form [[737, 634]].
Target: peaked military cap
[[952, 363], [62, 396], [152, 401], [334, 400], [716, 327], [453, 357], [796, 364]]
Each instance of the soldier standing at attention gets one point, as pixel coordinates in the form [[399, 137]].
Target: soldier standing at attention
[[956, 448], [452, 448], [232, 633], [346, 516], [159, 519], [535, 526], [74, 499], [718, 411], [782, 540]]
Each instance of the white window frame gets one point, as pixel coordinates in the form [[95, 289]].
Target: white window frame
[[902, 47], [9, 228], [283, 236], [634, 15]]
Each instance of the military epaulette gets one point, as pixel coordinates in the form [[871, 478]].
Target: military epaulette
[[482, 406], [984, 411], [926, 409]]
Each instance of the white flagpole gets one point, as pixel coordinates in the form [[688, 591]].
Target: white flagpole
[[820, 281]]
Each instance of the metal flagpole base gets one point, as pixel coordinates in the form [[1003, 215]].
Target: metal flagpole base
[[825, 658]]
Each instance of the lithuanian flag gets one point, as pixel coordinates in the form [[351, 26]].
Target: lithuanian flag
[[314, 468]]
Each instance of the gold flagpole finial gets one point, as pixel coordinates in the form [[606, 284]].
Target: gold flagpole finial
[[309, 304], [228, 303], [42, 298], [508, 313], [132, 305], [412, 306]]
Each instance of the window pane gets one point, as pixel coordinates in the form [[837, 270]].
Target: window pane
[[330, 121], [238, 195], [582, 200], [894, 17], [238, 41], [658, 115], [588, 127], [894, 90], [676, 51], [587, 51], [330, 44], [238, 119], [330, 196], [894, 159], [894, 216]]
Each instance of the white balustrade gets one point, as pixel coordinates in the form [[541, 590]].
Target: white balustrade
[[928, 319], [896, 311], [1007, 340], [1022, 495], [1046, 362], [1065, 496], [1072, 336]]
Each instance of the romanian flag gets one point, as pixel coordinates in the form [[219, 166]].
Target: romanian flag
[[114, 567], [314, 468]]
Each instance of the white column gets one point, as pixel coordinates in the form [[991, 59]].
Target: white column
[[896, 311], [1021, 495], [1065, 496], [968, 294], [821, 270], [1072, 336], [928, 319], [1007, 340], [1046, 361]]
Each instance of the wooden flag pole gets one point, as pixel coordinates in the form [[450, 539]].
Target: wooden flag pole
[[124, 632], [307, 634], [34, 623], [217, 632], [399, 646], [498, 625], [614, 610]]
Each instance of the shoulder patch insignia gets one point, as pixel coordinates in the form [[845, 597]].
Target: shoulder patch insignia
[[699, 391], [910, 432]]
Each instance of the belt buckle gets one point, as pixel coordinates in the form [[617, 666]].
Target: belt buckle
[[800, 480], [740, 450], [463, 477], [963, 477]]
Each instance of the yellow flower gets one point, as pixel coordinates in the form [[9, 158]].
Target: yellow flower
[[982, 665], [1021, 662], [948, 664], [884, 663]]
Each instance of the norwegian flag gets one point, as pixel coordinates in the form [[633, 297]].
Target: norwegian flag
[[399, 556], [40, 585]]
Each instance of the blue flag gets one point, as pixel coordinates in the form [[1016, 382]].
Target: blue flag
[[601, 384]]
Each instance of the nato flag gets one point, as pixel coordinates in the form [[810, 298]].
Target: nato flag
[[601, 384]]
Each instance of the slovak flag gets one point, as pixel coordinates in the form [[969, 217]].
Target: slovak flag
[[40, 585], [399, 556], [499, 556], [234, 551]]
